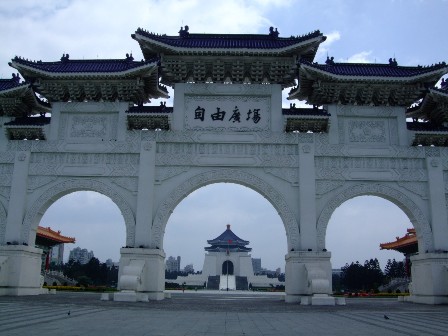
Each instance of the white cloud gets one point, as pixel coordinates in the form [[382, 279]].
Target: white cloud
[[324, 48], [361, 57]]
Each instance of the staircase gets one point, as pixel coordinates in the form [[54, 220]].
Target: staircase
[[227, 280], [241, 283], [213, 282]]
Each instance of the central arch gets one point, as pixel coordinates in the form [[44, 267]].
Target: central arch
[[415, 215], [225, 175]]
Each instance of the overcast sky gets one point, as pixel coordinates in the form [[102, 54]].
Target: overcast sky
[[412, 31]]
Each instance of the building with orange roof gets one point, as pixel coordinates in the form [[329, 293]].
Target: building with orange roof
[[52, 244], [408, 245]]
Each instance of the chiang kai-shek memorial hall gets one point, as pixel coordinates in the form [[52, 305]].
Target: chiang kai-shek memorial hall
[[371, 129], [227, 266]]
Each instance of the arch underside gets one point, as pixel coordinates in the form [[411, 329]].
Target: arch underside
[[230, 176], [415, 215], [60, 189]]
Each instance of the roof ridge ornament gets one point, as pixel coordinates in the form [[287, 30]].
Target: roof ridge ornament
[[393, 62], [65, 57], [129, 57], [330, 60], [16, 78], [273, 33], [184, 32]]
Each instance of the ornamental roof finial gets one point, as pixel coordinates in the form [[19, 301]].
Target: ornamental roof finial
[[16, 78], [393, 62], [228, 226], [272, 32], [184, 32], [330, 60]]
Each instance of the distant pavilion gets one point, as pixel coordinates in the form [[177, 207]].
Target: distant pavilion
[[47, 240], [408, 245]]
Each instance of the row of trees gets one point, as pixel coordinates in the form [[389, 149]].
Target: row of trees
[[354, 276], [94, 273], [368, 277]]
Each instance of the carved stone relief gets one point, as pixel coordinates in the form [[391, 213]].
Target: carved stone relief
[[165, 173], [224, 175], [367, 131], [48, 196], [286, 174], [323, 187], [414, 213], [35, 182]]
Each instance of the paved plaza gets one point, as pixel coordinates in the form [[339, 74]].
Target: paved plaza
[[211, 313]]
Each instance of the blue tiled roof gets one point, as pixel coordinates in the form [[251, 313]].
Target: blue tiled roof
[[374, 70], [7, 84], [85, 66], [150, 109], [228, 238], [29, 121], [305, 111], [229, 41], [425, 127]]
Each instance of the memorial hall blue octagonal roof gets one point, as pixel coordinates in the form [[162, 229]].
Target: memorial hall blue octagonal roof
[[228, 241]]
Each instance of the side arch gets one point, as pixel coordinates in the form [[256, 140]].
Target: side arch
[[35, 212], [415, 215], [225, 175]]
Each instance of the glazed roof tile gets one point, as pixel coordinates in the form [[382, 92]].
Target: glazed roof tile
[[408, 239], [374, 70], [150, 109], [228, 238], [228, 41], [53, 235], [84, 66], [426, 127], [8, 84], [298, 111], [29, 121]]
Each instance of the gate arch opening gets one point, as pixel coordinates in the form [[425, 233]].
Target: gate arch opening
[[360, 225], [45, 199], [240, 177], [204, 213], [400, 199], [92, 219]]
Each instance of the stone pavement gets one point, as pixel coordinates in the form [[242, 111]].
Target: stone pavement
[[211, 313]]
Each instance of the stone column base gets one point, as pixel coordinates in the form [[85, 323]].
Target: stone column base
[[429, 278], [307, 273], [20, 270], [142, 275]]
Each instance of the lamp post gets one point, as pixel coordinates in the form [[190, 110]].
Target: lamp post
[[227, 264]]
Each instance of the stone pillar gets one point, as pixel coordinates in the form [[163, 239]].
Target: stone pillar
[[20, 270], [308, 278], [142, 275], [17, 200], [429, 278], [145, 196], [437, 203], [307, 198], [20, 263]]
